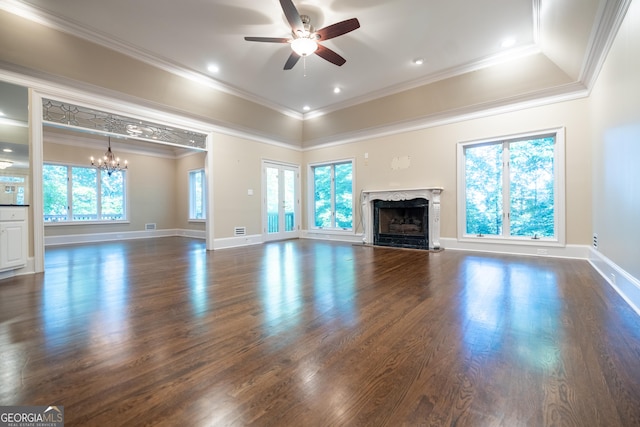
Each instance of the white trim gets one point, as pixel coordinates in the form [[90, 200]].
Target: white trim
[[69, 239], [280, 165], [236, 242], [332, 235], [627, 286], [513, 248], [563, 93], [559, 189], [311, 190], [29, 268]]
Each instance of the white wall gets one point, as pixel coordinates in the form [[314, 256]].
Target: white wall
[[615, 129]]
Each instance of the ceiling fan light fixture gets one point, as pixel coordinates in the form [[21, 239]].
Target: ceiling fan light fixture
[[304, 46]]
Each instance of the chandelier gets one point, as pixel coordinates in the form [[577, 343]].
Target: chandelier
[[109, 162]]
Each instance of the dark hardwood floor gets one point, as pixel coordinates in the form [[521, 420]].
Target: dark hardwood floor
[[308, 333]]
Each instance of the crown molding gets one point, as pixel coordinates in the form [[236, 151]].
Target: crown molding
[[539, 98], [46, 18], [602, 37], [469, 67]]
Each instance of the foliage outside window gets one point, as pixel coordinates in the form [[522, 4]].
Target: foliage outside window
[[197, 206], [333, 195], [80, 194], [511, 188]]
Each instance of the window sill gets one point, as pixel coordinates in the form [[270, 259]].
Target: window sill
[[62, 223], [197, 221]]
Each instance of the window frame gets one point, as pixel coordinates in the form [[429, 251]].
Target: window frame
[[559, 238], [192, 201], [69, 221], [311, 200]]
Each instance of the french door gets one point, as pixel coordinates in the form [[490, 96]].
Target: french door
[[281, 201]]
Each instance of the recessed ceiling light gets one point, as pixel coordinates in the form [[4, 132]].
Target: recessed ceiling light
[[1, 113], [337, 90], [508, 42], [213, 68], [7, 150], [418, 61], [306, 108]]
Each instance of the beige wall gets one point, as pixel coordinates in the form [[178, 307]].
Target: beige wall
[[34, 47], [432, 154], [152, 186], [615, 130], [237, 169]]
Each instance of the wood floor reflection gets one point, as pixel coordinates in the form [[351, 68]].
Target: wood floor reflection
[[309, 333]]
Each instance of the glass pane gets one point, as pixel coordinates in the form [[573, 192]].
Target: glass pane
[[344, 195], [322, 195], [84, 199], [273, 218], [289, 200], [483, 192], [532, 187], [54, 188], [197, 194], [113, 196]]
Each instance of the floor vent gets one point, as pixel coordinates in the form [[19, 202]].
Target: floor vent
[[240, 231], [150, 226]]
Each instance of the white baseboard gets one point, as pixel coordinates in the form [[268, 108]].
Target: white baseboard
[[68, 239], [29, 268], [336, 236], [196, 234], [625, 284], [235, 242], [567, 251]]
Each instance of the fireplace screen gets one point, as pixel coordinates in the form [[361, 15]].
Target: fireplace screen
[[403, 223]]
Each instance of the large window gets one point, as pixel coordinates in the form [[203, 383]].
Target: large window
[[80, 194], [197, 194], [512, 188], [333, 195]]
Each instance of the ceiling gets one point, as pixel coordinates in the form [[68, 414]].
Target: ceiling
[[189, 36]]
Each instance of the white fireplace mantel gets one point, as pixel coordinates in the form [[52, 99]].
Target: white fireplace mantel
[[432, 194]]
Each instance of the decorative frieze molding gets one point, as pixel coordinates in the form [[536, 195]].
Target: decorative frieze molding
[[432, 194]]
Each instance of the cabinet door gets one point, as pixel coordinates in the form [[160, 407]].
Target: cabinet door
[[12, 245]]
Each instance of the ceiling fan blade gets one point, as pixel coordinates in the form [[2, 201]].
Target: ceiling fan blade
[[338, 29], [329, 55], [292, 14], [293, 60], [268, 39]]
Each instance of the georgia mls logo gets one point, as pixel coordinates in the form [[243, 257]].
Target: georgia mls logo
[[32, 416]]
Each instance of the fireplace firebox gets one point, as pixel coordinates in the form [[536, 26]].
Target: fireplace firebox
[[402, 223]]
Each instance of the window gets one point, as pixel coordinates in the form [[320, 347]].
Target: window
[[197, 205], [13, 188], [79, 194], [333, 195], [512, 188]]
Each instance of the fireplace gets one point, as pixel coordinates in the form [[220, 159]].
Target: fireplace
[[402, 223], [402, 218]]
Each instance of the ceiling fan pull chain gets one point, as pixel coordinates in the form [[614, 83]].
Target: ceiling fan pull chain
[[304, 64]]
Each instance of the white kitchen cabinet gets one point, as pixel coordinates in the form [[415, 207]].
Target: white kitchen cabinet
[[13, 237]]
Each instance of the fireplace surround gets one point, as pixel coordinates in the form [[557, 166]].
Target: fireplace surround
[[415, 223]]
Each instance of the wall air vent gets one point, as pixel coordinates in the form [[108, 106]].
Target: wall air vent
[[150, 226], [240, 231]]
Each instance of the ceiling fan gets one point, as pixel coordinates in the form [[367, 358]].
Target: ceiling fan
[[306, 40]]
